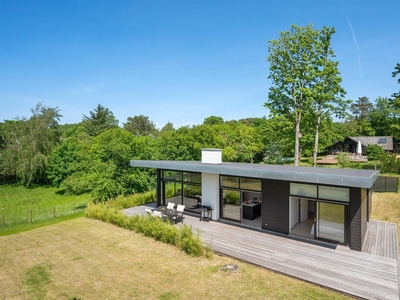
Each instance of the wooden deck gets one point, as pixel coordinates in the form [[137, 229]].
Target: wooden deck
[[360, 274], [381, 239]]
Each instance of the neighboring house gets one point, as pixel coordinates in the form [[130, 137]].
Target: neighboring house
[[327, 204], [349, 144]]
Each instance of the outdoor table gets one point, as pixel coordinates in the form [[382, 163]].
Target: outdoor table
[[170, 213]]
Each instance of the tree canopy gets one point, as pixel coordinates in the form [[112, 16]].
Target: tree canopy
[[28, 144], [100, 119], [304, 77], [140, 125]]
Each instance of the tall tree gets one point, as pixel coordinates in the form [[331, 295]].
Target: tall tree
[[302, 73], [29, 143], [395, 101], [382, 116], [329, 93], [361, 108], [100, 119], [213, 120], [394, 74], [167, 127], [140, 126]]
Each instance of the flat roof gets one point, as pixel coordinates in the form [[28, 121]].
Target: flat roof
[[339, 177]]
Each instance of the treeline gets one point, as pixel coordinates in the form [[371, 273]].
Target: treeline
[[93, 156]]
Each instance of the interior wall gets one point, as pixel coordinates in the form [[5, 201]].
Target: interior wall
[[294, 211], [303, 209]]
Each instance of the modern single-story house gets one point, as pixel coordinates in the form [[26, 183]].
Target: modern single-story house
[[349, 144], [327, 204]]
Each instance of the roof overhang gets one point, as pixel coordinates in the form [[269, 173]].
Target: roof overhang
[[329, 176]]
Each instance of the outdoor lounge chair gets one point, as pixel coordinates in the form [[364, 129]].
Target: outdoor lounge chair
[[149, 211], [170, 205], [179, 213], [158, 214]]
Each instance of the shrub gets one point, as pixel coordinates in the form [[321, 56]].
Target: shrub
[[343, 160], [123, 202], [157, 228], [390, 164], [374, 152]]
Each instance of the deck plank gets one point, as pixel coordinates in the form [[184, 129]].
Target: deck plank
[[381, 239]]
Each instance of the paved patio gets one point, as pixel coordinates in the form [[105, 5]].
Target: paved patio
[[361, 274]]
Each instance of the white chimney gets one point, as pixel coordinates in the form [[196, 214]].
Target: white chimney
[[211, 156]]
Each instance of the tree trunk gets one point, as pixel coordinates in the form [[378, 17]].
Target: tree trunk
[[296, 141], [316, 141]]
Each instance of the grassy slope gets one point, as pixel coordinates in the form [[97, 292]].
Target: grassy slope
[[386, 207], [89, 259], [16, 201]]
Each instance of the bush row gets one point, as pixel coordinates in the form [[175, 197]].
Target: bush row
[[122, 202], [157, 228]]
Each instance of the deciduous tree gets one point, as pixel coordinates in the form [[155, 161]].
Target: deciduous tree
[[304, 77], [140, 125], [29, 143]]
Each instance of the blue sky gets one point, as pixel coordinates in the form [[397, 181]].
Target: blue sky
[[178, 61]]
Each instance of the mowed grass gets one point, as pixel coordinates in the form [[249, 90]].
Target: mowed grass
[[89, 259], [386, 207], [16, 202]]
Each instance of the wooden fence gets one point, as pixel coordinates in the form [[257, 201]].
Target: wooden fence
[[29, 218]]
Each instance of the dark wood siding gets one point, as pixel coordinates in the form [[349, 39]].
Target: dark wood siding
[[354, 223], [275, 205], [364, 214], [370, 195]]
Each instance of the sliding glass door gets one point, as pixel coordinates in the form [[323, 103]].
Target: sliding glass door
[[330, 221], [231, 205]]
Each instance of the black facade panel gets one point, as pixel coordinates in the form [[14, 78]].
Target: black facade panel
[[370, 195], [159, 189], [275, 205], [364, 212], [354, 222]]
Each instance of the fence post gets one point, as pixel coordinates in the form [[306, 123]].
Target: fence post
[[30, 216], [54, 212]]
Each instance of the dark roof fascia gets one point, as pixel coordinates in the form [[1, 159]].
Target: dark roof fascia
[[328, 176], [352, 139], [373, 140]]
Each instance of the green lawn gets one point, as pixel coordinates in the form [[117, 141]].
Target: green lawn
[[87, 259], [16, 204]]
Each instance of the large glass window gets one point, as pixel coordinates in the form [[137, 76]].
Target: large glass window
[[231, 206], [229, 181], [173, 192], [330, 221], [303, 190], [181, 188], [192, 177], [333, 193], [250, 184], [172, 175], [240, 198], [191, 196]]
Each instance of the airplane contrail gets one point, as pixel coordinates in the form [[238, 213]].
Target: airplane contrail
[[354, 38]]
